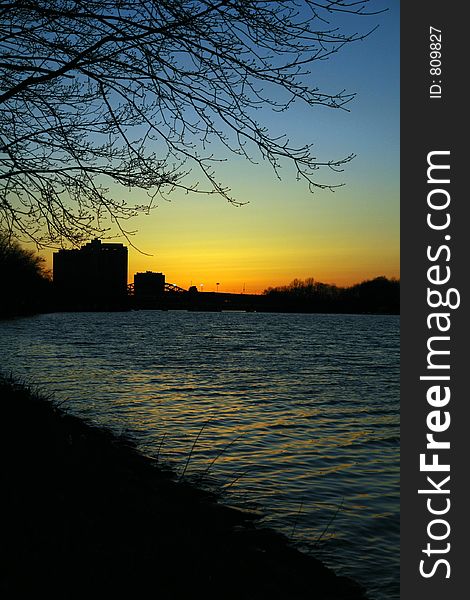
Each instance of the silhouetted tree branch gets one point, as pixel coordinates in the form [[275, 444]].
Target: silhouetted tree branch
[[131, 92]]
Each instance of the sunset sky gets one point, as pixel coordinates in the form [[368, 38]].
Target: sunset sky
[[284, 231]]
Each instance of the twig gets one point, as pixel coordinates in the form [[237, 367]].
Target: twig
[[192, 448], [160, 446], [59, 405], [226, 447], [229, 485], [297, 518], [329, 523]]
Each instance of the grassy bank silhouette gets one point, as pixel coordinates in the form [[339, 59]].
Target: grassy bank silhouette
[[87, 514]]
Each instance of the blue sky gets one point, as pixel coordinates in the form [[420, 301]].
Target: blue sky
[[284, 231]]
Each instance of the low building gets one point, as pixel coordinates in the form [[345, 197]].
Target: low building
[[149, 285]]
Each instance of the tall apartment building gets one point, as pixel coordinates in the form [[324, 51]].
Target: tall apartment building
[[94, 275]]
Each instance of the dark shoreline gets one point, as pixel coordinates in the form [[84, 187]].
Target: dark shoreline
[[87, 514]]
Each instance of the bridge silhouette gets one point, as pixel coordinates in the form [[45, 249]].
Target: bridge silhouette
[[168, 287]]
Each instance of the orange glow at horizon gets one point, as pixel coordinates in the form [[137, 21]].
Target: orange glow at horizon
[[283, 233], [268, 242], [254, 280], [342, 231]]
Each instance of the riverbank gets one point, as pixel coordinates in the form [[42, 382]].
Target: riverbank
[[87, 514]]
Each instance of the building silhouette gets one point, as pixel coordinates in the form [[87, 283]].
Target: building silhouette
[[95, 276], [148, 285]]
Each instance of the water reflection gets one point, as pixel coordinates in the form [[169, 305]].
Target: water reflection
[[311, 400]]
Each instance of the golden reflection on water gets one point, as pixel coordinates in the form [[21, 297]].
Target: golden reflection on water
[[302, 412]]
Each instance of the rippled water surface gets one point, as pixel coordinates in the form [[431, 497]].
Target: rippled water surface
[[298, 414]]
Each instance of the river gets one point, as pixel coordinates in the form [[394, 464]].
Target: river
[[295, 414]]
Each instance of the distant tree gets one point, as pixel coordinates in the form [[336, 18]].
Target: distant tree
[[375, 295], [100, 93], [305, 288], [379, 295], [26, 284]]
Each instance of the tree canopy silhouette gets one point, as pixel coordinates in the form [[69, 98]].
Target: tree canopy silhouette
[[26, 284], [99, 94], [378, 295]]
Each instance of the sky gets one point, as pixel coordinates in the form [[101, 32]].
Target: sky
[[284, 231]]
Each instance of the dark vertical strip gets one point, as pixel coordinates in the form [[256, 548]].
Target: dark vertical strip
[[434, 119]]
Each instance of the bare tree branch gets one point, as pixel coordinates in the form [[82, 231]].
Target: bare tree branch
[[128, 93]]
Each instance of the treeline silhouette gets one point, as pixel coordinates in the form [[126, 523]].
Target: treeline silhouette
[[379, 295], [27, 288], [26, 285]]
